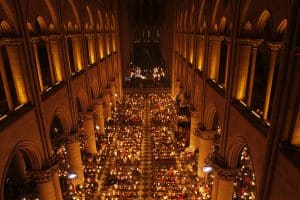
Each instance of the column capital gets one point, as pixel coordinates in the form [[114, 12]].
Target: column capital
[[195, 114], [215, 38], [275, 46], [256, 42], [88, 116], [207, 135], [10, 42], [70, 139], [227, 174], [243, 41], [42, 176]]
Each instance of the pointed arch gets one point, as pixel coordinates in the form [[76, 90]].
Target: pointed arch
[[264, 17], [282, 26], [70, 27], [214, 13], [41, 26], [5, 28], [94, 87], [245, 7], [185, 28], [247, 30], [65, 119], [234, 151], [107, 21], [10, 14], [100, 20], [31, 150], [192, 19], [83, 99], [209, 116], [75, 12], [52, 14], [222, 26], [201, 14], [91, 19]]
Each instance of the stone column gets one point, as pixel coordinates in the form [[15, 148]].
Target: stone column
[[274, 50], [100, 112], [195, 118], [243, 55], [223, 184], [215, 43], [74, 154], [45, 183], [205, 149], [89, 128], [57, 186], [16, 70]]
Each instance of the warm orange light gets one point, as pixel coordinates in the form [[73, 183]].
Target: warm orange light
[[56, 60], [14, 60]]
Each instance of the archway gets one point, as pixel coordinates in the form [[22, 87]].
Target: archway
[[17, 185], [244, 186]]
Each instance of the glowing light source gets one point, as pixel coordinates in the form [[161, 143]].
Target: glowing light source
[[72, 175]]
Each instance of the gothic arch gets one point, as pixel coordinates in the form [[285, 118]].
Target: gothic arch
[[201, 14], [214, 13], [192, 19], [10, 15], [33, 152], [63, 116], [41, 25], [185, 28], [210, 113], [247, 30], [75, 12], [90, 16], [101, 25], [82, 96], [264, 17], [222, 26], [52, 13], [5, 28], [244, 11], [234, 150], [94, 87], [281, 29]]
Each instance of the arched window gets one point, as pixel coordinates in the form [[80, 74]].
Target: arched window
[[71, 55], [244, 184], [46, 72]]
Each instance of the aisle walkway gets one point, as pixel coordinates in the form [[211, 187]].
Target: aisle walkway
[[146, 153]]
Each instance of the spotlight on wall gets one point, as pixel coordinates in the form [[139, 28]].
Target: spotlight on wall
[[72, 175], [207, 169], [97, 127], [116, 95]]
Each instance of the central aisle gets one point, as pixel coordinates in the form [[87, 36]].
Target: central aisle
[[148, 158]]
